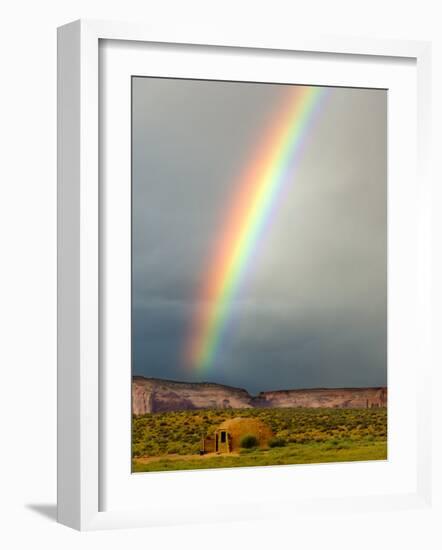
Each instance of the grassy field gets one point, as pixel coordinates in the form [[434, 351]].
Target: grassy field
[[171, 441]]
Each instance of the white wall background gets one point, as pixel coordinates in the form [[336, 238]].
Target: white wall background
[[28, 265]]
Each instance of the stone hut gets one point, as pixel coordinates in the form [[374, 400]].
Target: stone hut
[[227, 437]]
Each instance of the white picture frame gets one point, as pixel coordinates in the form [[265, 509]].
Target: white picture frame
[[80, 273]]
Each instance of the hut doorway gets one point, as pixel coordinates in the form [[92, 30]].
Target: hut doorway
[[221, 440]]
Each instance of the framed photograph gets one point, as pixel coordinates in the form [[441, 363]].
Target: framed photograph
[[243, 276], [259, 298]]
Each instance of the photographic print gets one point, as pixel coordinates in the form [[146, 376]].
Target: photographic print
[[259, 274]]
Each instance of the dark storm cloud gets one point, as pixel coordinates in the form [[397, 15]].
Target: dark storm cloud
[[312, 311]]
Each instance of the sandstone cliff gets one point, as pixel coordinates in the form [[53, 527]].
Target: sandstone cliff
[[322, 397], [155, 395]]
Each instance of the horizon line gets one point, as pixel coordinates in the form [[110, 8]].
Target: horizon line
[[377, 386]]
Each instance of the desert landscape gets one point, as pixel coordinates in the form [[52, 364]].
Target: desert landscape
[[259, 274], [178, 425]]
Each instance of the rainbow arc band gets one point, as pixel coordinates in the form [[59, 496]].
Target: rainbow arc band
[[271, 169]]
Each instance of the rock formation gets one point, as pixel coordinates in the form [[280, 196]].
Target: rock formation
[[155, 395], [356, 398]]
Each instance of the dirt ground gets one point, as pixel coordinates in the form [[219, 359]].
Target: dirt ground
[[148, 459]]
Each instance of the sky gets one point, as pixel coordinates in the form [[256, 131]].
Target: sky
[[311, 310]]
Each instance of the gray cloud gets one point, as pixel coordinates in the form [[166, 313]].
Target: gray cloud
[[312, 309]]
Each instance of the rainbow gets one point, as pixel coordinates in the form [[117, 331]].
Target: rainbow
[[249, 212]]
